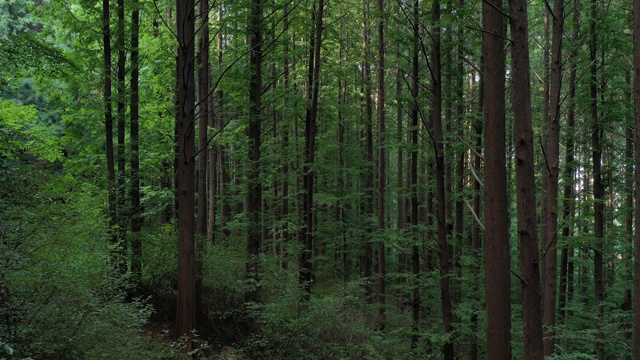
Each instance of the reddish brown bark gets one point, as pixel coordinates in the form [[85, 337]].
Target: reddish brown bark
[[496, 244], [185, 317], [525, 182]]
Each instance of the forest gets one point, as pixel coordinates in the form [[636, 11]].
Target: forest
[[319, 179]]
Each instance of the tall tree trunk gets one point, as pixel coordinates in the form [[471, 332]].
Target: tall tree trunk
[[476, 240], [413, 175], [185, 317], [254, 183], [636, 262], [382, 166], [224, 180], [306, 271], [108, 122], [203, 117], [368, 180], [552, 174], [445, 257], [136, 210], [598, 188], [566, 269], [496, 244], [122, 160], [525, 182]]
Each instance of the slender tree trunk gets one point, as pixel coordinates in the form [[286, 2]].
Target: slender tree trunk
[[122, 160], [254, 183], [368, 183], [636, 263], [224, 180], [476, 241], [185, 318], [400, 137], [136, 210], [413, 176], [285, 144], [496, 243], [525, 182], [108, 121], [306, 271], [203, 117], [552, 174], [566, 268], [382, 166], [445, 257], [598, 188]]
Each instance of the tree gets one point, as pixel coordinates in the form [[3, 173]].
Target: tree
[[552, 159], [438, 144], [136, 210], [185, 25], [382, 165], [496, 241], [525, 182], [306, 270], [108, 115], [636, 262], [598, 187], [254, 190]]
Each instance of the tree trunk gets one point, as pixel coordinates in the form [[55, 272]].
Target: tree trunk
[[496, 244], [122, 160], [525, 182], [382, 167], [445, 257], [254, 182], [368, 181], [185, 318], [108, 122], [203, 117], [552, 174], [413, 176], [306, 271], [136, 210], [566, 268], [636, 263], [598, 188]]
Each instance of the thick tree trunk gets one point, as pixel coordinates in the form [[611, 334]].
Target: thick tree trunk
[[525, 182], [185, 317], [496, 244], [136, 210]]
